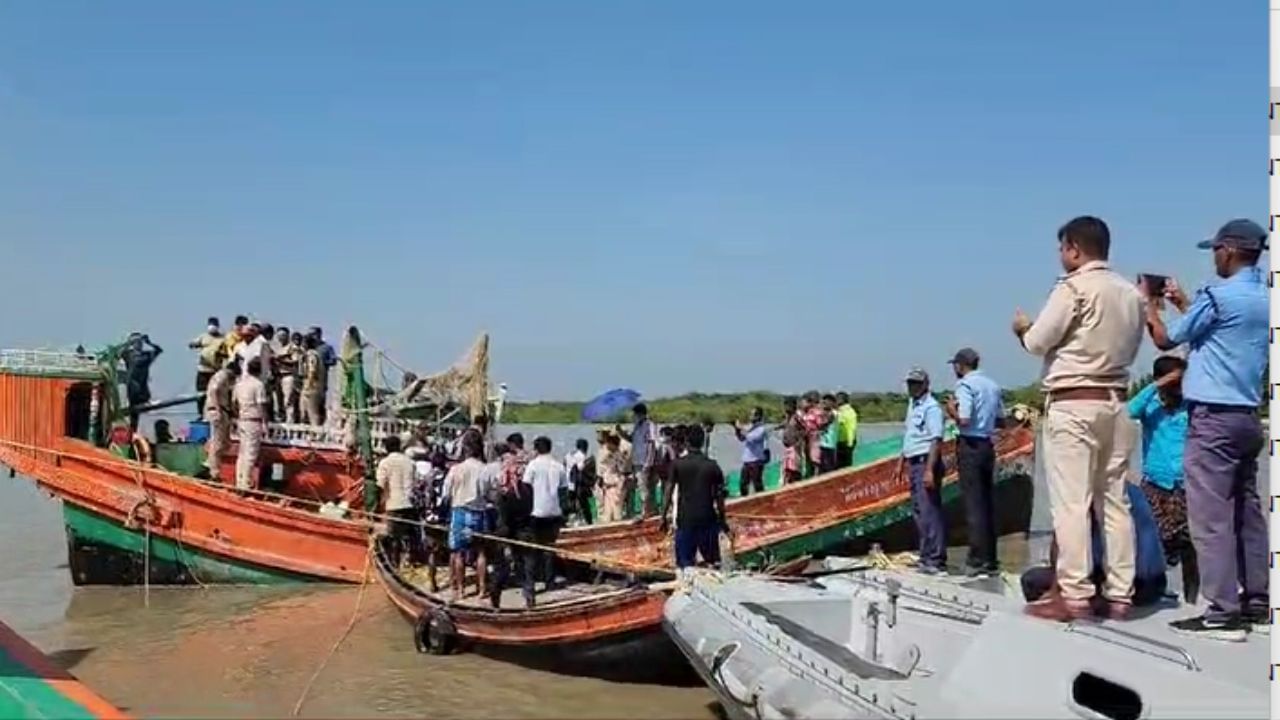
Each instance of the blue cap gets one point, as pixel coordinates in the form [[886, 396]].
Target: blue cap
[[1240, 233]]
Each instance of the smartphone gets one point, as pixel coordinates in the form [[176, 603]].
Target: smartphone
[[1155, 284]]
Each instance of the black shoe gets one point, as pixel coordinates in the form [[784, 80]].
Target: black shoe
[[1228, 630], [977, 573], [1259, 620]]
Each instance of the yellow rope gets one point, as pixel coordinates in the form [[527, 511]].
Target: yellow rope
[[355, 615]]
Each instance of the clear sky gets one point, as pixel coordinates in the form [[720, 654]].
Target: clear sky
[[664, 195]]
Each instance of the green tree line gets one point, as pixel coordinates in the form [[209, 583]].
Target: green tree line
[[728, 407]]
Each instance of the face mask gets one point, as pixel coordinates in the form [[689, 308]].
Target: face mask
[[213, 330]]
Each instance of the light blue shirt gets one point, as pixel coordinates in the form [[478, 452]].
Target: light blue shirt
[[978, 401], [1226, 328], [1164, 435], [753, 442], [922, 427]]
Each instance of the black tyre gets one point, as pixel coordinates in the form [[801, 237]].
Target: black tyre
[[434, 633]]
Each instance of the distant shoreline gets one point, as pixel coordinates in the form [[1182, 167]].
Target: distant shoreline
[[872, 407], [728, 407]]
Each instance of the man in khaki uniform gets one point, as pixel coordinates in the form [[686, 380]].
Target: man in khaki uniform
[[251, 399], [314, 377], [217, 411], [1088, 334]]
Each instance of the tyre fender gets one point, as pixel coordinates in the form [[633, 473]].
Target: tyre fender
[[434, 633]]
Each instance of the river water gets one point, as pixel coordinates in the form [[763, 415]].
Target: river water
[[250, 652]]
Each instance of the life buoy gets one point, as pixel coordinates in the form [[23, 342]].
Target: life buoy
[[434, 633], [142, 450]]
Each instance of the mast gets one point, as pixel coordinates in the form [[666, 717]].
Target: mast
[[355, 400]]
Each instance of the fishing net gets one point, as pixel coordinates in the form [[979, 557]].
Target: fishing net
[[465, 385]]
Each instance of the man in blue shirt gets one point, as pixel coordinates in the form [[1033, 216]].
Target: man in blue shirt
[[1162, 411], [754, 438], [977, 410], [922, 458], [1226, 327]]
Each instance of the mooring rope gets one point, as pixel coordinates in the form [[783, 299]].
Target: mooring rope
[[355, 615]]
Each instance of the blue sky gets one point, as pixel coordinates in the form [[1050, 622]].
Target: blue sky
[[665, 195]]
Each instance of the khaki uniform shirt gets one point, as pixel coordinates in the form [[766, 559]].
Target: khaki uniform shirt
[[1089, 330], [313, 372], [217, 404], [251, 398]]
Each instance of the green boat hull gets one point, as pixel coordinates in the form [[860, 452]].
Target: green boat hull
[[102, 551], [24, 694], [893, 528], [32, 686]]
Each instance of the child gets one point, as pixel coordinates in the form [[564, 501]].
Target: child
[[1161, 410]]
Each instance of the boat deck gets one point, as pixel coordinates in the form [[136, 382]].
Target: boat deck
[[955, 647], [512, 597]]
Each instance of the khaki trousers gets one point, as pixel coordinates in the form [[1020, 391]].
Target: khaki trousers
[[219, 439], [1086, 452], [611, 509], [313, 408], [289, 395], [251, 432]]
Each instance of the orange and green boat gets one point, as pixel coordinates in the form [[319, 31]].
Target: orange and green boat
[[32, 686]]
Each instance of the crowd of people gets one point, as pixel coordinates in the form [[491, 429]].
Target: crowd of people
[[501, 491], [252, 375]]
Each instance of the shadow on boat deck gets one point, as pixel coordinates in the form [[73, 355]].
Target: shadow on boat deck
[[69, 658]]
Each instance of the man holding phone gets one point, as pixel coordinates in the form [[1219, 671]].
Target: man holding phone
[[1226, 328], [1088, 334]]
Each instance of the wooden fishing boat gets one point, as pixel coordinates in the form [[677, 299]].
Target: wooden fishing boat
[[32, 686], [813, 516], [602, 607]]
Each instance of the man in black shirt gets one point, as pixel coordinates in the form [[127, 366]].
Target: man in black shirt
[[700, 516]]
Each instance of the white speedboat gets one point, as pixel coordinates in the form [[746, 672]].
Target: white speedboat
[[859, 642]]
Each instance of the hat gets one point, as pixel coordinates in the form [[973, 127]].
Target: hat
[[1240, 233], [965, 356], [917, 375]]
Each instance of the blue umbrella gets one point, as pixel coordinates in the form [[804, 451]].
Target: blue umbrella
[[610, 404]]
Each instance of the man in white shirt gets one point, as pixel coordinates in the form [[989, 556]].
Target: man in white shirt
[[395, 483], [251, 401], [547, 478], [256, 347], [464, 486]]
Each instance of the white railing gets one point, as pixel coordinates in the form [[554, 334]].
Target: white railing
[[328, 437], [46, 361]]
